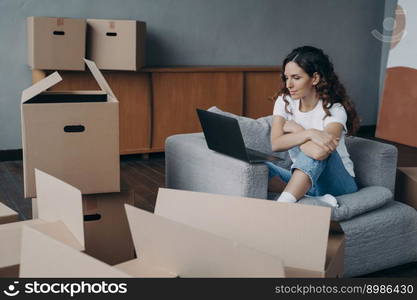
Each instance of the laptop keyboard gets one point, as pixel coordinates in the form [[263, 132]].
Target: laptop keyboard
[[257, 156]]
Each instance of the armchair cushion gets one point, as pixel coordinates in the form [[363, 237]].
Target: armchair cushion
[[354, 204]]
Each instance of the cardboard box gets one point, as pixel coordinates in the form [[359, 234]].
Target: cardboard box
[[56, 43], [167, 247], [70, 137], [298, 234], [59, 205], [116, 44], [174, 248], [106, 229], [7, 215], [406, 187]]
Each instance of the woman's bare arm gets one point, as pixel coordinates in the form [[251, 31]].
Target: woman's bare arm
[[314, 143], [317, 152], [281, 141]]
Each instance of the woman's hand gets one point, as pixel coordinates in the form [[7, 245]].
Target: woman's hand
[[292, 127], [323, 139]]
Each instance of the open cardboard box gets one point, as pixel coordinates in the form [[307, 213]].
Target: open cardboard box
[[59, 204], [116, 44], [73, 135], [7, 215], [174, 248], [106, 229], [44, 256], [41, 256], [165, 251], [300, 235], [56, 43]]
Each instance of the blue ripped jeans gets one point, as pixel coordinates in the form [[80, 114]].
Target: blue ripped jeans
[[328, 176]]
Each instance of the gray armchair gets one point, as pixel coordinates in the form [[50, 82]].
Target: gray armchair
[[380, 232]]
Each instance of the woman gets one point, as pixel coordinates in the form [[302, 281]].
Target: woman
[[312, 115]]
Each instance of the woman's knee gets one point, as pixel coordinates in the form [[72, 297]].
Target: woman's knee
[[305, 160]]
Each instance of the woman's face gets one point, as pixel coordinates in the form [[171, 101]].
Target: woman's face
[[298, 82]]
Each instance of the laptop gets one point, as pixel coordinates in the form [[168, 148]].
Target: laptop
[[223, 135]]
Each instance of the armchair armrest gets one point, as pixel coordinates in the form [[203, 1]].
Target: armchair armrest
[[375, 162], [190, 165]]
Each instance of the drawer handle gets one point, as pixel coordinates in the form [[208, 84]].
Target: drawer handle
[[111, 33], [94, 217], [59, 32], [74, 128]]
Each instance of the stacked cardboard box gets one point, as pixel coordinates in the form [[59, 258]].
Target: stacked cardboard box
[[116, 44], [62, 43], [73, 135], [56, 43]]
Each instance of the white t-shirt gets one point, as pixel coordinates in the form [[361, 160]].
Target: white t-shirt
[[314, 119]]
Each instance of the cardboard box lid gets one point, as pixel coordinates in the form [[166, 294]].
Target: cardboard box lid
[[410, 172], [59, 201], [54, 78], [99, 78], [190, 252], [43, 256], [298, 234], [40, 86]]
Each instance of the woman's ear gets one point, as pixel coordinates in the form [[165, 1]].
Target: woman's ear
[[316, 78]]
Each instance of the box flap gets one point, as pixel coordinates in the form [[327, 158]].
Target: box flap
[[6, 211], [139, 268], [99, 78], [296, 233], [10, 237], [60, 232], [190, 252], [43, 256], [59, 201], [40, 86]]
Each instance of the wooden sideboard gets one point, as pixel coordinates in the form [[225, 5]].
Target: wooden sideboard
[[155, 103]]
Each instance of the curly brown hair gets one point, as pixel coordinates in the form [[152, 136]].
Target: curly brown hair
[[329, 88]]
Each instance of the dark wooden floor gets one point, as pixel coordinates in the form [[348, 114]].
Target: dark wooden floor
[[145, 176]]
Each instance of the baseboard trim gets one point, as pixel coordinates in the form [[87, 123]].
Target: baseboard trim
[[15, 154]]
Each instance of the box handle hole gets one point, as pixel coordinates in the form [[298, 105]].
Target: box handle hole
[[74, 128], [59, 32], [94, 217], [111, 33]]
